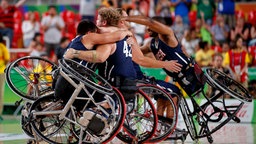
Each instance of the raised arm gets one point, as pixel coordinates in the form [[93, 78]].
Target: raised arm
[[165, 33], [152, 24], [91, 39]]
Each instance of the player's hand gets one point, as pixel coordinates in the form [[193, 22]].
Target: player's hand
[[130, 41], [173, 66], [69, 54]]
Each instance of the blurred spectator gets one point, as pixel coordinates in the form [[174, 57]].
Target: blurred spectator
[[217, 62], [87, 9], [139, 30], [208, 8], [190, 42], [37, 50], [198, 26], [240, 29], [59, 52], [138, 37], [163, 8], [220, 31], [4, 59], [205, 30], [225, 48], [182, 8], [29, 28], [179, 27], [37, 38], [252, 42], [109, 3], [204, 55], [52, 24], [226, 8], [252, 55], [237, 59], [6, 17], [152, 5]]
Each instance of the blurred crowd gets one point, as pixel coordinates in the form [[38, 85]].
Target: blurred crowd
[[212, 32]]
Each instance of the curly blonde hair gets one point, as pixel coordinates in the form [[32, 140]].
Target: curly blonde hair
[[111, 16]]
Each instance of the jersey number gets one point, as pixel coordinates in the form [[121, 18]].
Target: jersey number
[[127, 50]]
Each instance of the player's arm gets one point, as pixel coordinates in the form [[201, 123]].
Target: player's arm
[[152, 24], [94, 56], [139, 58], [166, 34], [91, 39]]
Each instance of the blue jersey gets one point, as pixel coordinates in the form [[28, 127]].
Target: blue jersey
[[120, 62], [77, 44], [186, 77], [163, 52]]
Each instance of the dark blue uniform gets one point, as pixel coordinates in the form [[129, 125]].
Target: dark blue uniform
[[171, 88], [119, 70], [120, 62], [186, 77], [63, 88], [77, 44]]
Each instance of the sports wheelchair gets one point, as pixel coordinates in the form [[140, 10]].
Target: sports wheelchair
[[29, 77], [43, 119], [58, 120], [197, 117]]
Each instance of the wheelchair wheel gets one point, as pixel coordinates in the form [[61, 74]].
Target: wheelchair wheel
[[30, 77], [141, 120], [86, 75], [188, 118], [228, 85], [165, 125], [48, 126], [115, 116]]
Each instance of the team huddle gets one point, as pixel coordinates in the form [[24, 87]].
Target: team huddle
[[99, 92]]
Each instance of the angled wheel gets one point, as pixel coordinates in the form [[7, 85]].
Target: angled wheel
[[48, 126], [166, 111], [86, 76], [141, 120], [228, 85], [30, 77]]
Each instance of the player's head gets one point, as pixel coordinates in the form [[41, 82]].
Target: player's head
[[158, 19], [123, 23], [86, 26], [107, 17]]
